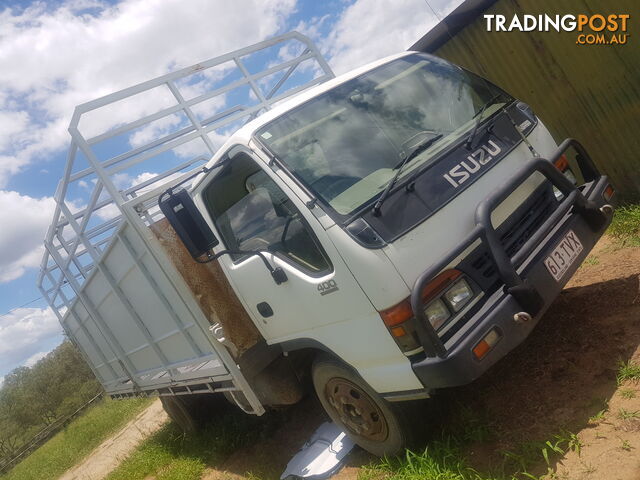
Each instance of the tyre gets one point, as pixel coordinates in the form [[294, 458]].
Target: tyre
[[373, 423], [178, 410], [192, 412]]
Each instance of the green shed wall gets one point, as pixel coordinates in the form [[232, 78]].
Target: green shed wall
[[589, 92]]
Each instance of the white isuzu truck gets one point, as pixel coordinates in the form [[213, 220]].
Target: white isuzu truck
[[380, 235]]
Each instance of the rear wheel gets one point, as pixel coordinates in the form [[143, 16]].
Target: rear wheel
[[180, 413], [373, 423], [194, 411]]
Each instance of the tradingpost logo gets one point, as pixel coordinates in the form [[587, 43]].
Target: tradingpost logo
[[592, 29]]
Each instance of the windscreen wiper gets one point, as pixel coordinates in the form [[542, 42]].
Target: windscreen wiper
[[480, 116], [421, 147]]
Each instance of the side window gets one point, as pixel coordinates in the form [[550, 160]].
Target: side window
[[252, 213]]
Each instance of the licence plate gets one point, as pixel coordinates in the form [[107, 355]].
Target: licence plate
[[563, 255]]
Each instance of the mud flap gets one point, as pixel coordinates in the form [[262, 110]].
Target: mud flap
[[322, 456]]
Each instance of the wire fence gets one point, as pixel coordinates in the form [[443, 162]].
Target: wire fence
[[42, 436]]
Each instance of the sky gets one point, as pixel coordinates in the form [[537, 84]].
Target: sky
[[55, 55]]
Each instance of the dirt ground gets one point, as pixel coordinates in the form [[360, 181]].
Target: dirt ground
[[561, 379], [107, 456], [607, 292]]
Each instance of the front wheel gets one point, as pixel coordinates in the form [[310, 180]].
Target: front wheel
[[373, 423]]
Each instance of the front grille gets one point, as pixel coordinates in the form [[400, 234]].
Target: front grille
[[484, 264], [514, 233], [533, 214]]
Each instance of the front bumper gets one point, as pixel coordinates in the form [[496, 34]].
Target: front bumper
[[527, 285]]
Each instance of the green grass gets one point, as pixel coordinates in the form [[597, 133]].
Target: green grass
[[626, 225], [167, 455], [626, 445], [598, 417], [624, 414], [446, 459], [627, 393], [591, 260], [441, 460], [171, 455], [530, 454], [78, 439], [628, 371]]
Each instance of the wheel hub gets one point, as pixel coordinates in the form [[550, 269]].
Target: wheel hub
[[357, 411]]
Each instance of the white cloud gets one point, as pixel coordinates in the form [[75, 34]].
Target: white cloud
[[24, 223], [53, 59], [125, 181], [12, 124], [155, 130], [25, 334], [33, 359], [371, 29]]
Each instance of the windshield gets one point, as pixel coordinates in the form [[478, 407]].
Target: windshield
[[347, 143]]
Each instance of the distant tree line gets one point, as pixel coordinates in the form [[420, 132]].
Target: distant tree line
[[33, 398]]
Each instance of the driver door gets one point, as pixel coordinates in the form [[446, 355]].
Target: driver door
[[252, 209]]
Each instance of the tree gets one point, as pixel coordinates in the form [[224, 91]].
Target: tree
[[35, 397]]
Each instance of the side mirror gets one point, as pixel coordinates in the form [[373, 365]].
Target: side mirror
[[187, 221], [195, 234]]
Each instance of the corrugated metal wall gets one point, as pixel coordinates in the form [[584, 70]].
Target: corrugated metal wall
[[591, 93]]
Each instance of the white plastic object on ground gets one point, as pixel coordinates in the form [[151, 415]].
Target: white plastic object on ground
[[322, 456]]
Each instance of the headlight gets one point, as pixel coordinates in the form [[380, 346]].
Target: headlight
[[437, 313], [458, 295]]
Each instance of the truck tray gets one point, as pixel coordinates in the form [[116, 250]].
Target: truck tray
[[115, 288]]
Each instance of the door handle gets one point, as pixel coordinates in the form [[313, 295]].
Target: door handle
[[265, 309]]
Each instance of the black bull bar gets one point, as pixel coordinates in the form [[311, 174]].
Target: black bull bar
[[524, 293]]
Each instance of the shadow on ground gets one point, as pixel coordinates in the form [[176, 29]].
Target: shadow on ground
[[560, 377]]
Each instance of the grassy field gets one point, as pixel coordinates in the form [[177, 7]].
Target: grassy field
[[446, 460], [171, 455], [79, 438], [626, 225]]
